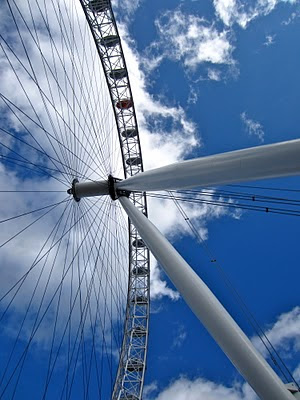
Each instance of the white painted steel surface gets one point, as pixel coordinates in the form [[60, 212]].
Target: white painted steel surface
[[210, 311], [275, 160], [90, 189]]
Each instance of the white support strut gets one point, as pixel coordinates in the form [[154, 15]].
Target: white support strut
[[275, 160], [210, 311]]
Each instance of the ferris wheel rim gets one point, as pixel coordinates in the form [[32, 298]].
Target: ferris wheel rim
[[126, 365]]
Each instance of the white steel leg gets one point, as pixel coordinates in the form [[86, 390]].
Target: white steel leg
[[275, 160], [210, 311]]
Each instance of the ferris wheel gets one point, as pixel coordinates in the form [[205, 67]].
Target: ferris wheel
[[79, 279], [75, 271]]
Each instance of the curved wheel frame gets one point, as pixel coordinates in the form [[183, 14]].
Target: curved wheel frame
[[130, 376]]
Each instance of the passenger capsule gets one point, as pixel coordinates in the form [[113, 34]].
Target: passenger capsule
[[135, 364], [138, 243], [140, 271], [98, 5], [129, 133], [134, 161], [118, 73], [124, 104], [140, 300], [109, 41], [139, 331]]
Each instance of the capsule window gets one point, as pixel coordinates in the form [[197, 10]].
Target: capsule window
[[139, 300], [109, 41], [138, 243], [135, 364], [118, 73], [139, 331], [129, 133], [134, 161], [140, 271], [98, 5]]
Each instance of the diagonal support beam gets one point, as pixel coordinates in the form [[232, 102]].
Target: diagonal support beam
[[275, 160], [210, 311]]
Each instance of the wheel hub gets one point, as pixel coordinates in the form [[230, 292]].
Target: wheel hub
[[99, 188]]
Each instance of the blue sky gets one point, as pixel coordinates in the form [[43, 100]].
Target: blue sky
[[207, 77], [240, 90]]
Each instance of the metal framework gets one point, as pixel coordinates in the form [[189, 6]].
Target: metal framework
[[281, 159], [132, 364]]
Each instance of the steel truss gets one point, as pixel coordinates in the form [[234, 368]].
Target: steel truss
[[281, 159], [130, 375]]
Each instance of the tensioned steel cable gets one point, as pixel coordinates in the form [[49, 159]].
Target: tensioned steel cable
[[71, 82], [62, 100], [68, 324], [229, 194], [33, 76], [281, 189], [49, 134], [54, 231], [234, 205], [44, 290], [279, 362], [37, 322], [40, 125], [80, 76], [66, 74]]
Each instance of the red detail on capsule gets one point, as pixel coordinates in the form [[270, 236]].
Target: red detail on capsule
[[124, 104]]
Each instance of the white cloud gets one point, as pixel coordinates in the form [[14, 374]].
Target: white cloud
[[270, 39], [148, 390], [167, 136], [252, 127], [202, 389], [180, 335], [227, 10], [295, 15], [284, 334], [193, 96], [296, 373], [213, 74], [190, 39], [174, 226], [126, 7], [243, 12]]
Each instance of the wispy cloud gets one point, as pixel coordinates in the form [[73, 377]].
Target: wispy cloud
[[252, 127], [149, 390], [270, 39], [295, 15], [190, 39], [296, 373], [243, 12], [180, 335], [214, 74], [284, 334], [203, 389], [193, 96], [163, 142], [125, 9]]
